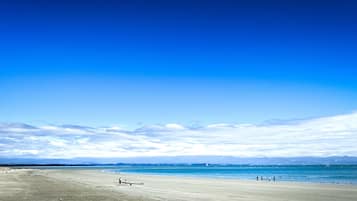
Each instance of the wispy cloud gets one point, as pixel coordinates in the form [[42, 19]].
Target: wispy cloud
[[327, 136]]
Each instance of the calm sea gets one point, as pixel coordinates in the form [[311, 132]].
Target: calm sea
[[341, 174]]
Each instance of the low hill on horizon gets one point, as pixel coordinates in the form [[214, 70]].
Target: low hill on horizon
[[335, 160]]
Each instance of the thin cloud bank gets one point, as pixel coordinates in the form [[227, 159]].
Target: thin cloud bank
[[327, 136]]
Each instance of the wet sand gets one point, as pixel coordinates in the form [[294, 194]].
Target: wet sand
[[94, 185]]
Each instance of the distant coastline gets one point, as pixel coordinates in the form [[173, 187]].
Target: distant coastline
[[198, 160]]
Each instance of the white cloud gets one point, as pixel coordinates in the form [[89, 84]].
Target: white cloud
[[327, 136], [174, 126]]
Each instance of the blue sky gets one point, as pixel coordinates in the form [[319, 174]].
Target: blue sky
[[102, 63], [137, 63]]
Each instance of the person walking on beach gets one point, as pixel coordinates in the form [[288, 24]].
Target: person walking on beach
[[119, 180]]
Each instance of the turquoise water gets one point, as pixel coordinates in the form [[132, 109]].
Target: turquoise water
[[341, 174]]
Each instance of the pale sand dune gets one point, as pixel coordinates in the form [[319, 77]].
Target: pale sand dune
[[93, 185]]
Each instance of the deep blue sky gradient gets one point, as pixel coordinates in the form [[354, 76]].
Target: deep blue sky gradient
[[143, 62]]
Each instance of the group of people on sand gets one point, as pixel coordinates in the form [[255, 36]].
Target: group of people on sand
[[123, 182], [120, 181], [266, 179]]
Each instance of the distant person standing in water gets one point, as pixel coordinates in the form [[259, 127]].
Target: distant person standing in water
[[257, 178], [273, 178]]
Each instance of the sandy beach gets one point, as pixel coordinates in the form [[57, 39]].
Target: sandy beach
[[95, 185]]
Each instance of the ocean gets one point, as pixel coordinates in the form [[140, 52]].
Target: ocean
[[336, 174]]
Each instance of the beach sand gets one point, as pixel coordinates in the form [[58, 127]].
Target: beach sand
[[94, 185]]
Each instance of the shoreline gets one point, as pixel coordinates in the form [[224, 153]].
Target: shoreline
[[110, 170], [230, 178], [80, 184]]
